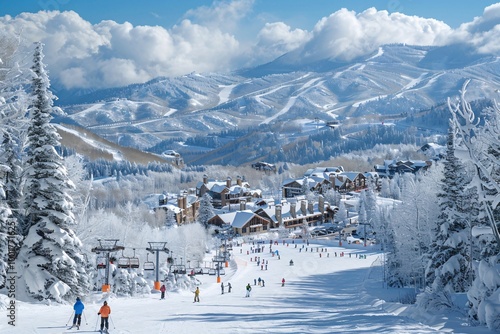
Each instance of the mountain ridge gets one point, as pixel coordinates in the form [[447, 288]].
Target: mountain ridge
[[285, 97]]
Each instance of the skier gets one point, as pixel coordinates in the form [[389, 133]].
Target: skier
[[249, 288], [229, 287], [162, 290], [259, 280], [197, 295], [283, 282], [222, 287], [78, 307], [104, 312]]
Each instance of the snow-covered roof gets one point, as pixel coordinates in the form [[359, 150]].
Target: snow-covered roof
[[237, 219]]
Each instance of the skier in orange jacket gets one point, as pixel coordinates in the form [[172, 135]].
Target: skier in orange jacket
[[104, 312]]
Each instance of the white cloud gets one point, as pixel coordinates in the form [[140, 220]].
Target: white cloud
[[345, 35], [483, 33], [222, 15], [109, 54], [277, 38]]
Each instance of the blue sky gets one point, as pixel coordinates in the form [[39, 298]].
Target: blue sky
[[109, 43]]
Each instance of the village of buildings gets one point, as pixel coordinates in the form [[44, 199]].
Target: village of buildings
[[242, 210]]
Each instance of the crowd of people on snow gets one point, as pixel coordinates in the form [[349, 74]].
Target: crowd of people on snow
[[105, 310]]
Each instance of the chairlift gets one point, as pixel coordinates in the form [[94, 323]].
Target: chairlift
[[178, 269], [123, 261], [148, 265]]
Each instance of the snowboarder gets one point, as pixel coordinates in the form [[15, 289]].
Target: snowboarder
[[162, 290], [104, 312], [249, 288], [222, 287], [78, 307], [229, 287], [197, 295], [283, 282]]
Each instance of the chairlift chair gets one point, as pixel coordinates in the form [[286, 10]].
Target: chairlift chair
[[148, 265], [101, 262], [134, 261], [123, 262]]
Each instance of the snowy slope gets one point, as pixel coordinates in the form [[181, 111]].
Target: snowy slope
[[322, 294]]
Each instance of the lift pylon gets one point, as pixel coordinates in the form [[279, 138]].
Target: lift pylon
[[157, 247], [107, 246]]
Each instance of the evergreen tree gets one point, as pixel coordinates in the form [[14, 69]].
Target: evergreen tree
[[206, 210], [53, 266], [9, 238], [170, 220], [448, 266]]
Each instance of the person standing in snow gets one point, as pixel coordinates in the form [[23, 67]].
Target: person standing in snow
[[162, 290], [78, 307], [104, 312], [222, 287], [283, 282], [229, 287], [197, 295], [249, 288]]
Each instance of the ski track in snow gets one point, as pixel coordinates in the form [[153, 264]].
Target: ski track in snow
[[225, 93], [291, 101], [326, 294]]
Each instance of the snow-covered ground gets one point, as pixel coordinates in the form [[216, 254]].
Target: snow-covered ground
[[323, 293]]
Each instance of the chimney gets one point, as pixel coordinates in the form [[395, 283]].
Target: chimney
[[243, 205], [310, 207], [293, 211], [228, 182], [180, 202], [239, 181], [205, 178], [278, 215], [184, 202], [321, 204], [303, 207]]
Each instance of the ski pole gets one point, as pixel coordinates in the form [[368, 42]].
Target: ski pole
[[86, 323], [112, 322], [70, 318]]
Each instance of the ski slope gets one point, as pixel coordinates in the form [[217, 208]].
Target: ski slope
[[323, 293]]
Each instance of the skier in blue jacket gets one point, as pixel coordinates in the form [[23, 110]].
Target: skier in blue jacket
[[78, 307]]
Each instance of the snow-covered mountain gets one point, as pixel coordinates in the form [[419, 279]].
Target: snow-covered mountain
[[262, 111]]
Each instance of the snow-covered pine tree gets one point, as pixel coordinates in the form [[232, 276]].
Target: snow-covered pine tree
[[9, 238], [170, 220], [13, 107], [449, 265], [206, 210], [51, 262], [482, 142]]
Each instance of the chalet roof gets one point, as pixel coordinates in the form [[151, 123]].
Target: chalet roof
[[321, 170], [350, 175], [171, 207], [237, 219]]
